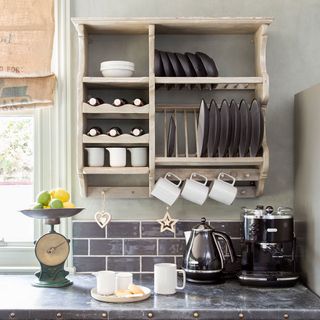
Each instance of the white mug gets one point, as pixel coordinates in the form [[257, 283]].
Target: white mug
[[95, 157], [139, 157], [123, 280], [166, 190], [118, 157], [105, 282], [165, 278], [195, 191], [223, 191]]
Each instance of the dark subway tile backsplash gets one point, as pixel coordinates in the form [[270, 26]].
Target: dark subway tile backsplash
[[130, 264], [135, 246], [140, 247], [171, 246], [119, 229], [150, 229], [87, 230], [89, 264], [80, 247], [106, 247]]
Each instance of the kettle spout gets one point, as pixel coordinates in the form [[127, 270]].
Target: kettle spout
[[187, 235]]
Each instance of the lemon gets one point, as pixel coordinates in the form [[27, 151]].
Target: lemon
[[37, 205], [61, 194], [46, 207], [68, 205], [43, 197], [52, 193], [56, 204]]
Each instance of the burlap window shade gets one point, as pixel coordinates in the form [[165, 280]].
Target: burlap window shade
[[26, 41]]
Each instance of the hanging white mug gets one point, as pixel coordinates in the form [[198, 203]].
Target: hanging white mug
[[166, 190], [95, 157], [195, 191], [223, 191], [118, 157], [139, 157]]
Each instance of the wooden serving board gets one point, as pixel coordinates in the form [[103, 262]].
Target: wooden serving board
[[114, 299]]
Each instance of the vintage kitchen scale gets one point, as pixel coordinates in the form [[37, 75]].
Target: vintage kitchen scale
[[52, 249]]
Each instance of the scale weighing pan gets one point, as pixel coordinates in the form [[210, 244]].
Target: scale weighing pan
[[51, 216]]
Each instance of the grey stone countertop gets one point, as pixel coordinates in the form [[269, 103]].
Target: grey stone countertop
[[20, 300]]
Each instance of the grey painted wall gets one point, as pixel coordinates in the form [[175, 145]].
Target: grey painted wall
[[293, 64], [307, 182]]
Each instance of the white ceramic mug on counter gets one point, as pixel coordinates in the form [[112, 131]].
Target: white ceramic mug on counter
[[165, 278], [139, 156], [195, 191], [95, 157], [118, 157], [166, 190], [105, 282], [223, 191]]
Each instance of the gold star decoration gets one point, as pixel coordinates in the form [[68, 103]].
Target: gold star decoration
[[167, 223]]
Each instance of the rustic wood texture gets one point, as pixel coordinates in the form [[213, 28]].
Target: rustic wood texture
[[246, 169]]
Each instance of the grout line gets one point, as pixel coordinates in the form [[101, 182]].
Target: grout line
[[147, 220], [123, 247], [157, 247], [127, 256], [89, 245], [140, 229], [106, 263]]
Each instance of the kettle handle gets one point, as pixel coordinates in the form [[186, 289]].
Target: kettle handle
[[229, 244]]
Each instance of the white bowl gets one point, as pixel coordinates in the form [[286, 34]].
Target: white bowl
[[122, 64], [117, 72]]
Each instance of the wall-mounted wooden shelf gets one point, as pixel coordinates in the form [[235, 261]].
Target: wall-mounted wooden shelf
[[249, 172], [115, 170], [125, 139], [133, 82]]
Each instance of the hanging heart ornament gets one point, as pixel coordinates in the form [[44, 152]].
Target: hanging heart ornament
[[102, 217]]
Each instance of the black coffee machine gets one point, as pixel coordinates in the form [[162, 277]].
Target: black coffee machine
[[268, 248]]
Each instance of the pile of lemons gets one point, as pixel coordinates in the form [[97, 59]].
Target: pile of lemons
[[55, 199]]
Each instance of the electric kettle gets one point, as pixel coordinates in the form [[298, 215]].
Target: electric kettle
[[203, 260]]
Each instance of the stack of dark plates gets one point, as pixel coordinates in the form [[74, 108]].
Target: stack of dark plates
[[230, 129], [226, 130], [171, 64]]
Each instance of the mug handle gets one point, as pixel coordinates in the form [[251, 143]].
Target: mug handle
[[194, 174], [222, 175], [170, 174], [184, 279]]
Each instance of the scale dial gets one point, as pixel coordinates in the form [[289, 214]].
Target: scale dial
[[52, 249]]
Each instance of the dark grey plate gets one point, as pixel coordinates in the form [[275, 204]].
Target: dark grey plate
[[167, 67], [177, 68], [203, 128], [210, 67], [187, 67], [171, 137], [256, 128], [225, 131], [208, 63], [245, 131], [235, 128], [214, 129], [158, 67], [197, 66]]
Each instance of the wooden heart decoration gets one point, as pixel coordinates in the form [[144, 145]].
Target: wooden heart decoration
[[102, 218]]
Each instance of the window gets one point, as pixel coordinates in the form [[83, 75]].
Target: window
[[16, 178]]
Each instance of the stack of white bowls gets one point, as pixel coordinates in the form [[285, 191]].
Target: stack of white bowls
[[117, 68]]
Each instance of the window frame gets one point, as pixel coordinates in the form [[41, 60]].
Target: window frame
[[51, 126]]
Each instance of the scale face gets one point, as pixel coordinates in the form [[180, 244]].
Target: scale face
[[52, 249]]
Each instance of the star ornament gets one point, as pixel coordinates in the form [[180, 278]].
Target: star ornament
[[167, 223]]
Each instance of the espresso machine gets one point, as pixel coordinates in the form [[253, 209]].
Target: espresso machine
[[268, 247]]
